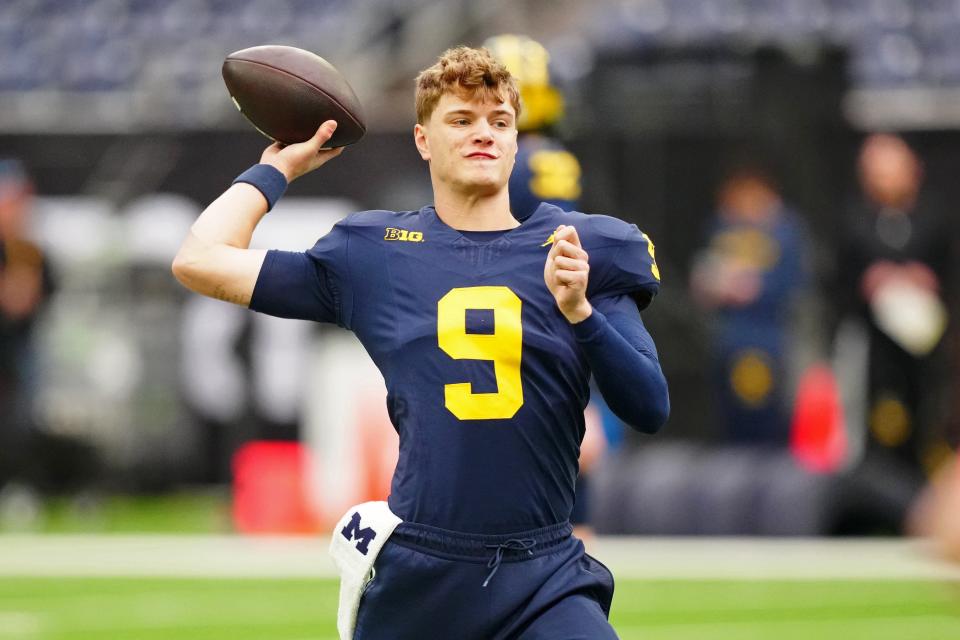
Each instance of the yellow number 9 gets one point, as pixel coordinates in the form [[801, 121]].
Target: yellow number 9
[[504, 347]]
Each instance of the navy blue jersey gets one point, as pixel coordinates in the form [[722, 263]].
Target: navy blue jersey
[[486, 384], [544, 172]]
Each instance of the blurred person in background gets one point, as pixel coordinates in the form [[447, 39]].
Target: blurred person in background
[[935, 514], [546, 171], [25, 283], [748, 276], [896, 271]]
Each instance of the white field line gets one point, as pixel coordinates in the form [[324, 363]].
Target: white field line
[[164, 556], [17, 624], [772, 558], [628, 557], [875, 628]]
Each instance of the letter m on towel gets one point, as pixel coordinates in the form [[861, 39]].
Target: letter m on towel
[[353, 532]]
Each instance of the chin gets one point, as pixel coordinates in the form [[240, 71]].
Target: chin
[[488, 187], [485, 184]]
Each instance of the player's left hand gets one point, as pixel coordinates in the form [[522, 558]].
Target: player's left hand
[[566, 272]]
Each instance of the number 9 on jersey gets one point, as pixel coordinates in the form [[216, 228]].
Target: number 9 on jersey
[[503, 347]]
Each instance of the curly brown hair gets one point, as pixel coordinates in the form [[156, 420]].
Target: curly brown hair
[[469, 73]]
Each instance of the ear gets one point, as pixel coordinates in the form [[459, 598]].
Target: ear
[[420, 139]]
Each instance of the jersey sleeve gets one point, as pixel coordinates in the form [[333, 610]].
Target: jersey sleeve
[[627, 267], [312, 285], [624, 362]]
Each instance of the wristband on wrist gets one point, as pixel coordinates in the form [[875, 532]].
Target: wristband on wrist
[[267, 179]]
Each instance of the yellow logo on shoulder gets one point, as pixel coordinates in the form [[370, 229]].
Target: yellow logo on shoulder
[[402, 235]]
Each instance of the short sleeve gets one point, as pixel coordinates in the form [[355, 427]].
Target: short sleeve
[[314, 285], [628, 267]]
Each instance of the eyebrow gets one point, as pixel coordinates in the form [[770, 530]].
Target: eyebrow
[[471, 112]]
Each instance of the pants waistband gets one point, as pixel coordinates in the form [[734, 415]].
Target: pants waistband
[[460, 545]]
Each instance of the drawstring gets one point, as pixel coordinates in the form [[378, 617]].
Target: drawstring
[[524, 544]]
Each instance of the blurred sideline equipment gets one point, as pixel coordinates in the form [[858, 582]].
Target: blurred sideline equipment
[[818, 438], [287, 93], [269, 488]]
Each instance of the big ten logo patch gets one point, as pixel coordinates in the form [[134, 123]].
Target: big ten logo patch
[[353, 532], [402, 235]]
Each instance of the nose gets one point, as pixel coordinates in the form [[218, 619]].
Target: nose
[[482, 133]]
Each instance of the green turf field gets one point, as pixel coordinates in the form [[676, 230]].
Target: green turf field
[[204, 609], [270, 603], [182, 513]]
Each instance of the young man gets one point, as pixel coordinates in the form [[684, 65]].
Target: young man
[[486, 331]]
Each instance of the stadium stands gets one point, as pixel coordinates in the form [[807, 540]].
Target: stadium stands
[[160, 60]]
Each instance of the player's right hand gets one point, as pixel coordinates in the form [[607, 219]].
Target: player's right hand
[[294, 160]]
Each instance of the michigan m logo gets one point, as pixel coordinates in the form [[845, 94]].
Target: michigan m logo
[[353, 532]]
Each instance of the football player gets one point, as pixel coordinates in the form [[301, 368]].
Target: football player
[[545, 170], [486, 331]]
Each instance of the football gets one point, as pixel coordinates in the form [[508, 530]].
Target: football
[[287, 93]]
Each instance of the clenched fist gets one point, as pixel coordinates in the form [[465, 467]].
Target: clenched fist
[[566, 272]]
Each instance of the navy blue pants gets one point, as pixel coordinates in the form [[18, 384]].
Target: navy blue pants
[[429, 583]]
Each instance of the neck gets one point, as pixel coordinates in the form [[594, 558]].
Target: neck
[[474, 211]]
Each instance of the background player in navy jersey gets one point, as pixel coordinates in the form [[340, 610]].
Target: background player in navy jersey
[[486, 330], [546, 171]]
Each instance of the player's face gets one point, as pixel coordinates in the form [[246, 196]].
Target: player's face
[[471, 145]]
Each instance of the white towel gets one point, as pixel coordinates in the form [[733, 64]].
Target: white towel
[[354, 545]]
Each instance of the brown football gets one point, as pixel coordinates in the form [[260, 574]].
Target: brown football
[[287, 93]]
